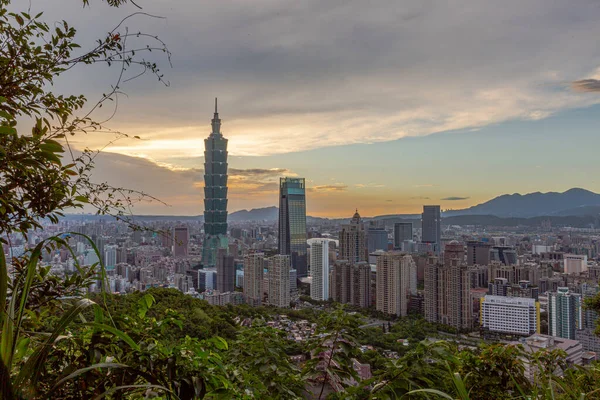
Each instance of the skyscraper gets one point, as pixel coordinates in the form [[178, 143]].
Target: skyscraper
[[180, 241], [292, 222], [319, 269], [478, 253], [225, 272], [396, 280], [215, 193], [279, 280], [254, 265], [353, 241], [431, 220], [110, 256], [402, 232], [448, 289], [351, 283], [565, 313]]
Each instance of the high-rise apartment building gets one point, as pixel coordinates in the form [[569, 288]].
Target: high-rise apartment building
[[279, 280], [448, 289], [254, 265], [181, 239], [510, 315], [353, 241], [351, 283], [110, 256], [215, 193], [565, 314], [319, 269], [403, 231], [225, 271], [396, 281], [431, 221], [478, 253], [292, 222]]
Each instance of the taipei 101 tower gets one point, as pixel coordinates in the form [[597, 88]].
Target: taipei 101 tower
[[215, 193]]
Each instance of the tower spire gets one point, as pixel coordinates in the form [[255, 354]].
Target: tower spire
[[216, 121]]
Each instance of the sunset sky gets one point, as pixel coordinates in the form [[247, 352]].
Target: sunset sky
[[382, 106]]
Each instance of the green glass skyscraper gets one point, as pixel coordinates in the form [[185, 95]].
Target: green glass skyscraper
[[292, 222], [215, 193]]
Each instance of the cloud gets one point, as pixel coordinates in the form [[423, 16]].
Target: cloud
[[338, 187], [425, 185], [454, 198], [419, 198], [182, 189], [368, 185], [586, 85], [389, 201], [311, 74]]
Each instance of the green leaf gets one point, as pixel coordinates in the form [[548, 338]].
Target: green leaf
[[30, 371], [84, 370], [120, 334], [82, 199]]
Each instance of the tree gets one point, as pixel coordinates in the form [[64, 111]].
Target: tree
[[41, 175]]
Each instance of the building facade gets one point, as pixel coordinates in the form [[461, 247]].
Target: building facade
[[351, 283], [254, 266], [565, 313], [353, 241], [448, 289], [319, 269], [509, 315], [225, 271], [292, 222], [215, 193], [279, 280], [396, 280], [431, 221], [181, 238], [403, 231]]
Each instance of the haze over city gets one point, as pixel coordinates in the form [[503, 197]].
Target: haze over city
[[381, 108]]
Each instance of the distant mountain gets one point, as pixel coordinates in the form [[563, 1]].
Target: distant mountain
[[256, 214], [572, 202]]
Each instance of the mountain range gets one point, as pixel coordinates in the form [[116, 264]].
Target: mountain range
[[573, 202]]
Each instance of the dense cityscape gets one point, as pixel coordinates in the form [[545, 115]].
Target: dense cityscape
[[392, 200], [497, 284]]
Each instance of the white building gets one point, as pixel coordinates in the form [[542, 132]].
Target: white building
[[575, 263], [319, 269], [207, 279], [253, 278], [537, 342], [110, 256], [510, 315]]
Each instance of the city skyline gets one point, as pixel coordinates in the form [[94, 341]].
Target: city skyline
[[438, 102]]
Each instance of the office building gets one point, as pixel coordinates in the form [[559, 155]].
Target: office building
[[503, 254], [225, 271], [181, 239], [353, 241], [319, 269], [377, 239], [565, 314], [431, 221], [478, 253], [448, 289], [279, 280], [207, 279], [396, 280], [254, 265], [215, 193], [292, 222], [509, 315], [403, 231], [351, 283]]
